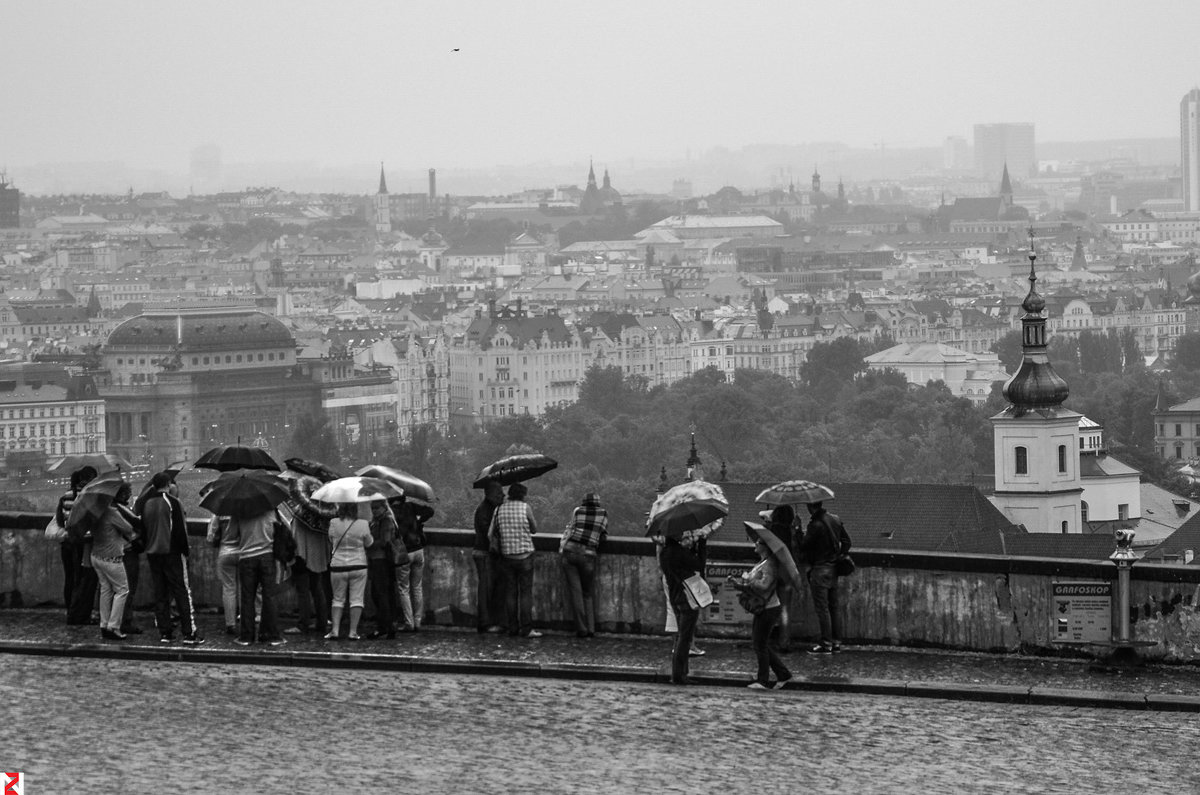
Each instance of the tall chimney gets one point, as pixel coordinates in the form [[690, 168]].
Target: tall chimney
[[432, 184]]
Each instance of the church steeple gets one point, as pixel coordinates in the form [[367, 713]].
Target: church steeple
[[1078, 259], [816, 180], [607, 181], [382, 179], [591, 183], [1035, 385], [1006, 191]]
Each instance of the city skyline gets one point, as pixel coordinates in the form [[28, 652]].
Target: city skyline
[[502, 86]]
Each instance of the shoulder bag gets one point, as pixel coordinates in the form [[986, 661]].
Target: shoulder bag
[[843, 565], [55, 531], [697, 591]]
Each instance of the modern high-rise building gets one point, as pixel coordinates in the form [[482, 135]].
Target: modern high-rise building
[[10, 204], [998, 144], [955, 153], [1189, 141]]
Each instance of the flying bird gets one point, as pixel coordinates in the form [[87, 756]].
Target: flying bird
[[454, 50]]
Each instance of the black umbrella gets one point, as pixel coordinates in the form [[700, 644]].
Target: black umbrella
[[246, 493], [93, 500], [686, 516], [514, 469], [316, 469], [229, 457]]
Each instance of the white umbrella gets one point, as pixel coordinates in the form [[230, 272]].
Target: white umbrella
[[356, 489]]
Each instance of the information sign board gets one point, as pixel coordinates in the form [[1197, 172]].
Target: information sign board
[[1082, 612], [725, 608]]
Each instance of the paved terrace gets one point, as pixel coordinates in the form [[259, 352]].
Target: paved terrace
[[1017, 679]]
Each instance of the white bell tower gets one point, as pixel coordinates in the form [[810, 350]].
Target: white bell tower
[[1036, 439]]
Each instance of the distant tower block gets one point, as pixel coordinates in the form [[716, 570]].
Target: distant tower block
[[1189, 141], [432, 185]]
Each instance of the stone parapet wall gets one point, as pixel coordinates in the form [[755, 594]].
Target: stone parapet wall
[[970, 602]]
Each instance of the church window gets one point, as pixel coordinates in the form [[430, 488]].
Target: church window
[[1179, 451], [1022, 462], [1065, 526], [1178, 429], [1083, 511], [1122, 512], [270, 357], [1062, 458]]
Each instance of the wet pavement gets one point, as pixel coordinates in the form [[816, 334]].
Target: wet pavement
[[119, 725], [645, 659]]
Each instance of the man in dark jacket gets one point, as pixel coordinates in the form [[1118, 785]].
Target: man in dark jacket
[[489, 594], [823, 542], [166, 552]]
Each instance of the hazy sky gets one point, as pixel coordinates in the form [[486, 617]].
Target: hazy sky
[[348, 82]]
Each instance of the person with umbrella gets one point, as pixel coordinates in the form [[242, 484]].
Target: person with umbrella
[[166, 552], [678, 563], [764, 580], [824, 541], [112, 533], [249, 498], [79, 580], [489, 591], [350, 537], [780, 520]]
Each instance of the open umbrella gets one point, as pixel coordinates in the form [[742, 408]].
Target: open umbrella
[[93, 500], [245, 493], [794, 492], [102, 462], [315, 469], [696, 506], [783, 558], [356, 489], [514, 469], [415, 489], [229, 457]]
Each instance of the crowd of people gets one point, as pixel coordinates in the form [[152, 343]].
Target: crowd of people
[[336, 555]]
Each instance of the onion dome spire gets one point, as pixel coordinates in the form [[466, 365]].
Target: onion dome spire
[[1035, 385]]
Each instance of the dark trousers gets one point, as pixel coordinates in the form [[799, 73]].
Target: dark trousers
[[381, 581], [80, 584], [169, 575], [254, 574], [823, 583], [518, 593], [489, 590], [764, 650], [580, 571], [312, 597], [133, 570], [686, 619]]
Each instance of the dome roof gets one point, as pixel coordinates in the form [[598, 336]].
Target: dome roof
[[1033, 303], [1035, 385], [203, 331]]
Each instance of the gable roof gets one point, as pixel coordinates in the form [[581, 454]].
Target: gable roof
[[895, 516]]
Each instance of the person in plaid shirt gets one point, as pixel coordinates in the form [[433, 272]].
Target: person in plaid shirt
[[580, 543], [514, 525]]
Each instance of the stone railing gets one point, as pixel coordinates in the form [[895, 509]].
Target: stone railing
[[976, 602]]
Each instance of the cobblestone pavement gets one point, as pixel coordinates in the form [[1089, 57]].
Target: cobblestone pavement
[[95, 725], [650, 653]]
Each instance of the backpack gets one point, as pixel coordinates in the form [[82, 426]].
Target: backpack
[[283, 545]]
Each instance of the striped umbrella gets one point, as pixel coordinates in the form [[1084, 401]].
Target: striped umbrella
[[794, 492]]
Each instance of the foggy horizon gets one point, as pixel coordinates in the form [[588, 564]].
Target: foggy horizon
[[541, 87]]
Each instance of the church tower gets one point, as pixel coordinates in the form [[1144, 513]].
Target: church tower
[[1036, 440], [383, 208], [1006, 192], [816, 181]]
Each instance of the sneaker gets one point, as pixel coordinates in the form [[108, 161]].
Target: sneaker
[[241, 642], [108, 634], [294, 631], [757, 686], [533, 633], [837, 648], [821, 649], [279, 642], [331, 635], [132, 630], [167, 639], [193, 640], [696, 651], [354, 636], [495, 629], [780, 684]]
